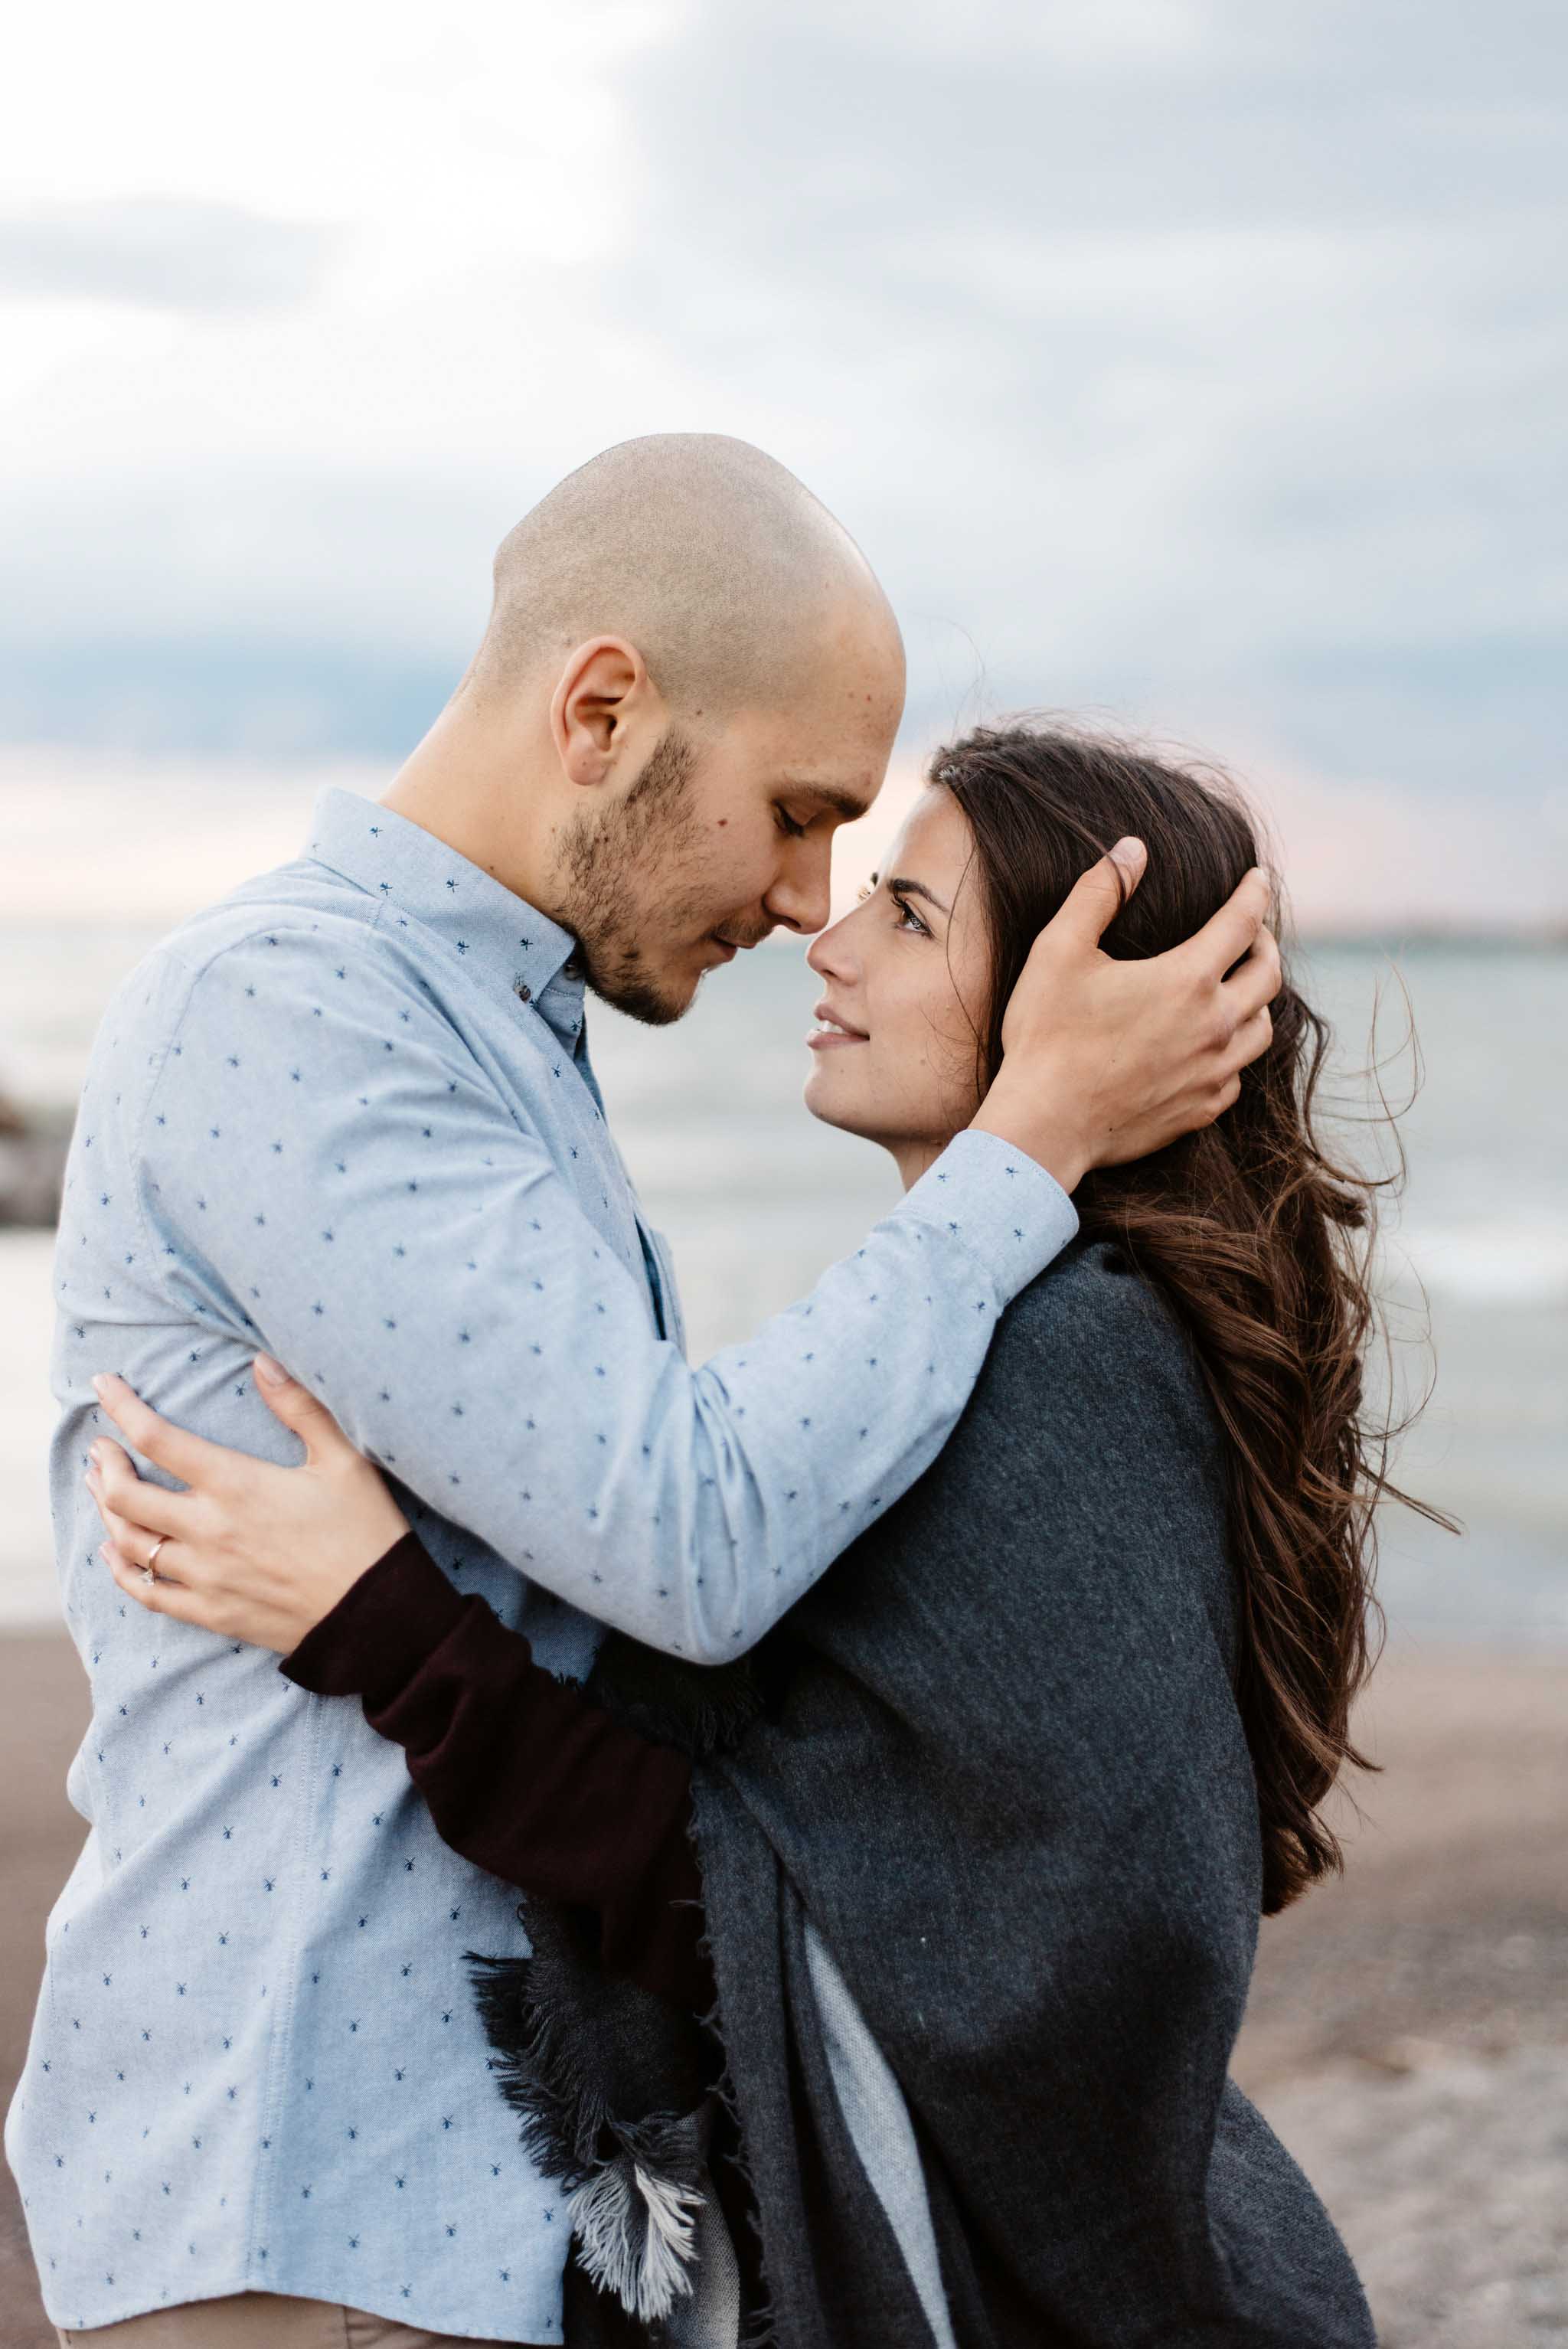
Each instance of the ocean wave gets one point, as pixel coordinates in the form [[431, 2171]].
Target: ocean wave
[[1502, 1260]]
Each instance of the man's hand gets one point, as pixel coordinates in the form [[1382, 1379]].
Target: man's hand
[[1105, 1060]]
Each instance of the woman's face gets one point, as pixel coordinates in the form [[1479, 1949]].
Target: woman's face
[[907, 983]]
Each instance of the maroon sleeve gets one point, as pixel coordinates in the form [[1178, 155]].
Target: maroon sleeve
[[522, 1774]]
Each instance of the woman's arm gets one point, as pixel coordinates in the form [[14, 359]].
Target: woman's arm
[[522, 1774]]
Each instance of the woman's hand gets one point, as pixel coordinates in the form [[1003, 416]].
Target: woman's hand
[[249, 1550]]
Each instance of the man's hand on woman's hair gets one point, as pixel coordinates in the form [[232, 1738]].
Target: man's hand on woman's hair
[[1105, 1060]]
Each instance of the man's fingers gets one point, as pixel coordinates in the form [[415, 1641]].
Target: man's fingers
[[1130, 857], [115, 1486], [1226, 935], [1251, 1039], [1257, 981], [1098, 895], [183, 1454]]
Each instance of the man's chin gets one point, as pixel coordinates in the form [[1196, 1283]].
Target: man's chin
[[655, 1002]]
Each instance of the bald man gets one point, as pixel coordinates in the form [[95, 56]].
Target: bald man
[[348, 1117]]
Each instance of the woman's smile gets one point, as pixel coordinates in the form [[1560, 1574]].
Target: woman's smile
[[831, 1030], [906, 970]]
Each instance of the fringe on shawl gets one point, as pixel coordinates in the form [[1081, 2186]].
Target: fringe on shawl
[[634, 2187]]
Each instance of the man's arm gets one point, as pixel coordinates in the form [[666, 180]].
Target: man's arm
[[417, 1260]]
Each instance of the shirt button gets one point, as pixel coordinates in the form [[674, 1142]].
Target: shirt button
[[574, 969], [524, 994]]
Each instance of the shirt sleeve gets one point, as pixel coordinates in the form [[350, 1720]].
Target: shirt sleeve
[[417, 1258], [522, 1773]]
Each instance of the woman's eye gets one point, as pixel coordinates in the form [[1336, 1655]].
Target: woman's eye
[[909, 919]]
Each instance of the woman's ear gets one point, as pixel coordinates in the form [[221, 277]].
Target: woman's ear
[[603, 686]]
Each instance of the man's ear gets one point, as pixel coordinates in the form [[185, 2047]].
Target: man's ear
[[603, 688]]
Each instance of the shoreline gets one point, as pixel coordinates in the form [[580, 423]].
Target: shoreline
[[1407, 2034]]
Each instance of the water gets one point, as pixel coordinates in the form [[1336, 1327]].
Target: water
[[757, 1198]]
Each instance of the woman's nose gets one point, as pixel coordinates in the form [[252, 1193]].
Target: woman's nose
[[829, 953]]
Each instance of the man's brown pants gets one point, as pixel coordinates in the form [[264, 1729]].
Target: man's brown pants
[[266, 2320]]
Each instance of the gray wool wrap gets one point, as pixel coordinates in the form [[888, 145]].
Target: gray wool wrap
[[1002, 1773]]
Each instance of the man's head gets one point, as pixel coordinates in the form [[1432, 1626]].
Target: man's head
[[689, 678]]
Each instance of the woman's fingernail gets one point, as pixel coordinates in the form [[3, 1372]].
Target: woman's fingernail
[[99, 1385], [272, 1372]]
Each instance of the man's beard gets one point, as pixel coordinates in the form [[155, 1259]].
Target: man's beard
[[609, 872]]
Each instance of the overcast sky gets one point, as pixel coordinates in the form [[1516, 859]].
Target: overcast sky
[[1200, 363]]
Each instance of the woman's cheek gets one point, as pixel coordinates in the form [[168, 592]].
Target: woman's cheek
[[957, 1079]]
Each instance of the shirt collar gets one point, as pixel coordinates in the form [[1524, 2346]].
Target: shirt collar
[[506, 944]]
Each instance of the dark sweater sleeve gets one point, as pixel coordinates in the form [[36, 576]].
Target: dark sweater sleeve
[[522, 1774]]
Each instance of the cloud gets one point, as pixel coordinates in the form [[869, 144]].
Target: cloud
[[229, 700], [161, 254], [1178, 358]]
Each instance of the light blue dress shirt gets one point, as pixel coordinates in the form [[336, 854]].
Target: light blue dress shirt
[[348, 1116]]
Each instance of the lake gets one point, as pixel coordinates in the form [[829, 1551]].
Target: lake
[[757, 1198]]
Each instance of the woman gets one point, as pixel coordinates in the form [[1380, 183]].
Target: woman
[[985, 1835]]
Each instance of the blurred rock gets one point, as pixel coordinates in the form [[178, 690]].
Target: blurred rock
[[32, 1166]]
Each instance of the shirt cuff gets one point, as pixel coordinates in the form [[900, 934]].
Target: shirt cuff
[[381, 1630], [999, 1204]]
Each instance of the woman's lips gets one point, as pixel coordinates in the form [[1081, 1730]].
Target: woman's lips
[[833, 1031]]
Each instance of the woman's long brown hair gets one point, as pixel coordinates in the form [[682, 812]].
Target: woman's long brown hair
[[1258, 1237]]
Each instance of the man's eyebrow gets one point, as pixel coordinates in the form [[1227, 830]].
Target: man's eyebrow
[[849, 804], [896, 886]]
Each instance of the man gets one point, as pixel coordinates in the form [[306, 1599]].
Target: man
[[350, 1116]]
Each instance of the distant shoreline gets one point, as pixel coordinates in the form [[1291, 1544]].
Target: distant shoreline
[[1420, 932], [1552, 940]]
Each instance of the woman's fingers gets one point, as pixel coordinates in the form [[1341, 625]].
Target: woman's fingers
[[299, 1410], [115, 1486], [141, 1548], [190, 1457], [160, 1598]]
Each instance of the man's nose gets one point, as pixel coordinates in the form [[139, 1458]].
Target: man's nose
[[801, 898]]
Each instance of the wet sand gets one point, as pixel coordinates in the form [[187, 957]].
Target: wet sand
[[1408, 2034], [1408, 2029]]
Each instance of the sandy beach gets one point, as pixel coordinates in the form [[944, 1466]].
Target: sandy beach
[[1408, 2029]]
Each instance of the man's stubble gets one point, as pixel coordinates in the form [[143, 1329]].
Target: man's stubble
[[626, 880]]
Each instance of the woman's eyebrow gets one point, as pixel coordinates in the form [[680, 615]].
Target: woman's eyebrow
[[898, 887]]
